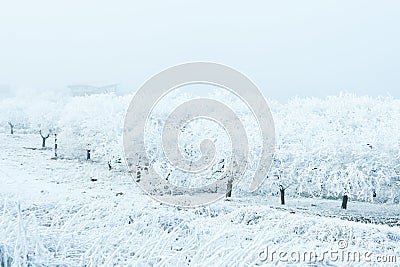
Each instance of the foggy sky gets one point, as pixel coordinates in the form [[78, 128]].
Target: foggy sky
[[288, 48]]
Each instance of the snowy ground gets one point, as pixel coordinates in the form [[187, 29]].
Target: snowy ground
[[76, 213]]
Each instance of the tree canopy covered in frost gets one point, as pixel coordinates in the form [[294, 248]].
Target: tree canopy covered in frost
[[325, 147], [93, 122]]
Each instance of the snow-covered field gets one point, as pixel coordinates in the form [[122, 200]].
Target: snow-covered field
[[73, 212]]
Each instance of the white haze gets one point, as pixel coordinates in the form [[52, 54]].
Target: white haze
[[289, 48]]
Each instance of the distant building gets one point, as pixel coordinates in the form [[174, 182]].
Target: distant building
[[84, 89]]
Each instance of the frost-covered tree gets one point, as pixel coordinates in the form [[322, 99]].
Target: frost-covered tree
[[324, 146], [93, 125], [14, 115]]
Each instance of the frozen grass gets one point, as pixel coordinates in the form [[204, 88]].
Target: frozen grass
[[53, 214], [126, 233]]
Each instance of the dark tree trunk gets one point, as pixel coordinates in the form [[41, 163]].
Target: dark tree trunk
[[88, 154], [282, 190], [11, 127], [44, 138], [344, 202], [229, 189]]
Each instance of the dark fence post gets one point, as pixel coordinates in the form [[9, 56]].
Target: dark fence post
[[88, 154], [139, 173], [55, 145]]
